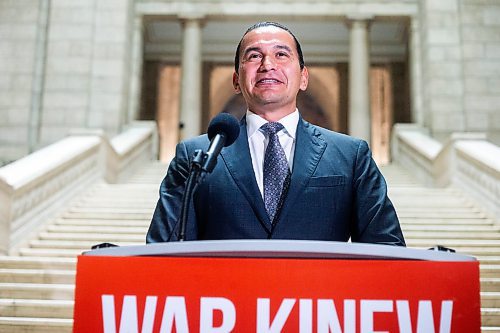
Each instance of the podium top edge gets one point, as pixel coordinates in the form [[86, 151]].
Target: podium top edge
[[280, 249]]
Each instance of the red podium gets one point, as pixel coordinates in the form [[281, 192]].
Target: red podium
[[275, 286]]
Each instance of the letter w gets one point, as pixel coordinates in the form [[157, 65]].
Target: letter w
[[128, 321], [425, 318]]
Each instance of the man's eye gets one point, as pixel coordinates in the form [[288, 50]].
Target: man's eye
[[282, 54], [254, 56]]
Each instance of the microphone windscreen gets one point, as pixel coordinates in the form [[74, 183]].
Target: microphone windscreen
[[227, 124]]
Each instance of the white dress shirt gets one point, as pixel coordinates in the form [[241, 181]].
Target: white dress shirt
[[257, 141]]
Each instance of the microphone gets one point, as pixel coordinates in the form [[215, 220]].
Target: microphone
[[222, 132]]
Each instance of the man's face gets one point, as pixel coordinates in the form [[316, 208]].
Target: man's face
[[269, 72]]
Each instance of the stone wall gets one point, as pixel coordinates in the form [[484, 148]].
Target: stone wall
[[481, 58], [19, 24], [460, 52], [65, 64], [88, 66], [442, 76]]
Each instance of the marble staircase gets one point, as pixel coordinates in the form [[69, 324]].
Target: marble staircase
[[37, 282]]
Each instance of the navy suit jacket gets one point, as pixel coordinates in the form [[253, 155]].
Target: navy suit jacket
[[336, 193]]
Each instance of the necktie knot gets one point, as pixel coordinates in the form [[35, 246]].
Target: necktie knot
[[272, 127]]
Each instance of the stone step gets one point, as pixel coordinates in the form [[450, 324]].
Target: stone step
[[111, 210], [456, 243], [444, 221], [16, 275], [490, 284], [489, 260], [35, 325], [452, 235], [37, 308], [441, 211], [114, 205], [94, 237], [118, 187], [25, 262], [53, 253], [479, 251], [79, 229], [108, 216], [490, 299], [489, 270], [37, 291], [490, 316], [101, 222], [480, 229], [441, 214], [76, 245]]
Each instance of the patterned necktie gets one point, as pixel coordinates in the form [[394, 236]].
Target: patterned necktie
[[276, 171]]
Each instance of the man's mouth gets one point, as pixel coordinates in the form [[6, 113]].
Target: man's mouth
[[268, 81]]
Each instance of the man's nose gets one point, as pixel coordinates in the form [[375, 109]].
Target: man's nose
[[267, 63]]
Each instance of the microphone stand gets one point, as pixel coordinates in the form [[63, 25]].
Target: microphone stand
[[191, 184], [202, 163]]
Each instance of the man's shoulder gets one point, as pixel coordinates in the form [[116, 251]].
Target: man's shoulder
[[333, 137], [200, 141]]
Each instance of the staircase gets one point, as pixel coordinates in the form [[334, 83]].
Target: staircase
[[431, 216], [37, 283]]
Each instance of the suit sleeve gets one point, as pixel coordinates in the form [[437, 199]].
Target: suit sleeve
[[164, 224], [375, 219]]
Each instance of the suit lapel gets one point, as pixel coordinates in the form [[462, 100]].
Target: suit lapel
[[238, 161], [309, 148]]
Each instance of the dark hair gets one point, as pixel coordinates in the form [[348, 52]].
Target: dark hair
[[267, 24]]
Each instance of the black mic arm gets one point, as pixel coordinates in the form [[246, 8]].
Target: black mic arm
[[201, 164], [222, 131], [191, 184]]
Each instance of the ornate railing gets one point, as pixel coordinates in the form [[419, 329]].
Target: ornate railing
[[466, 160], [35, 187]]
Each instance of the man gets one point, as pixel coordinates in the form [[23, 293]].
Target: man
[[283, 178]]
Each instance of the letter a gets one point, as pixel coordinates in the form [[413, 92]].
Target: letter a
[[128, 318], [175, 308]]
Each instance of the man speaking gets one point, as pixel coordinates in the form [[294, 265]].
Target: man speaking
[[282, 178]]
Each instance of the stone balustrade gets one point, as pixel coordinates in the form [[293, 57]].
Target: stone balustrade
[[465, 160], [35, 187], [130, 150]]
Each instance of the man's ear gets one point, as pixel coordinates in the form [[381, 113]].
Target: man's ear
[[304, 79], [236, 84]]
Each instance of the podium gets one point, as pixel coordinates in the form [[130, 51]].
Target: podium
[[275, 286]]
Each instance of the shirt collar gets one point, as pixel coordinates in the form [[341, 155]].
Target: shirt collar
[[289, 122]]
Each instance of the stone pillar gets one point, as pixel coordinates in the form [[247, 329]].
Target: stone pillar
[[136, 71], [38, 75], [190, 100], [359, 84], [415, 73], [443, 68]]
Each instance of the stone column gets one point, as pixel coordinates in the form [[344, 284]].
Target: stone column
[[38, 85], [359, 84], [415, 73], [136, 70], [190, 100]]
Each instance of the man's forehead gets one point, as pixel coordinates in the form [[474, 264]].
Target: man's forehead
[[268, 35]]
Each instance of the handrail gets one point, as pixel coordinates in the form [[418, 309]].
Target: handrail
[[35, 187], [466, 160]]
